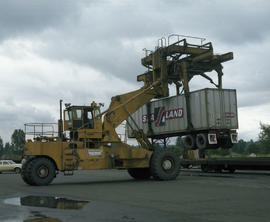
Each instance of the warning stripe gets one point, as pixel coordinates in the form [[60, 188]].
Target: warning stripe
[[161, 111]]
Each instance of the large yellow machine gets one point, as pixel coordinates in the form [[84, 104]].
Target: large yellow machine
[[92, 142]]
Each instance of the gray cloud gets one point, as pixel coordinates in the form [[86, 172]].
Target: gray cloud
[[107, 37], [96, 38], [23, 17]]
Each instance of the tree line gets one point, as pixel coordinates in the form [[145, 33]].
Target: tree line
[[245, 148], [16, 146]]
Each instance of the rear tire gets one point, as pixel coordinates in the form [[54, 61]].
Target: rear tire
[[139, 173], [39, 171], [201, 141], [189, 142], [165, 165]]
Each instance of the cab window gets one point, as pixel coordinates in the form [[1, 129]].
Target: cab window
[[68, 115], [88, 119], [89, 115], [96, 113], [77, 114]]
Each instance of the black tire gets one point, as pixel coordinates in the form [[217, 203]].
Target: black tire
[[24, 174], [17, 170], [139, 173], [39, 171], [189, 142], [201, 141], [165, 165]]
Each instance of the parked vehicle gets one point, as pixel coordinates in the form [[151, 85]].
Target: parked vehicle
[[10, 165]]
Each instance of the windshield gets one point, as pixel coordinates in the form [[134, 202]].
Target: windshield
[[77, 114], [73, 114]]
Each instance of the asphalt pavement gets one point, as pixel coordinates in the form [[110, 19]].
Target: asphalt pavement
[[112, 195]]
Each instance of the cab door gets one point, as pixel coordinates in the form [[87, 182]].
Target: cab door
[[92, 125], [77, 119]]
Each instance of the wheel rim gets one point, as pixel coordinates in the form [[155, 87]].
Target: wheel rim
[[168, 164], [42, 171]]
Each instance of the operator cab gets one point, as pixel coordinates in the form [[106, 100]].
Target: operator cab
[[83, 121]]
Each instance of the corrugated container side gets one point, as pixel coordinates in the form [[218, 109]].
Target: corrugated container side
[[210, 109], [198, 109]]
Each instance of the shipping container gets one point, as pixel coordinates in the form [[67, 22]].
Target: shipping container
[[211, 109]]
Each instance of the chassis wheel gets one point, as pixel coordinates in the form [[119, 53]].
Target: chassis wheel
[[17, 170], [39, 171], [139, 173], [165, 165], [189, 142], [201, 141]]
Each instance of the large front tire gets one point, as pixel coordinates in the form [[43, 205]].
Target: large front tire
[[139, 173], [39, 171], [165, 165]]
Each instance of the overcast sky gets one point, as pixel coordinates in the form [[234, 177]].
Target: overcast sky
[[81, 51]]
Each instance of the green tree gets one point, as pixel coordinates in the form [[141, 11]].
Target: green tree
[[7, 148], [264, 134], [264, 139], [240, 147], [1, 147], [218, 152], [18, 141], [252, 147], [179, 146]]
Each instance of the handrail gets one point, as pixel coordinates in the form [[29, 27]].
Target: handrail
[[185, 36], [40, 129]]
